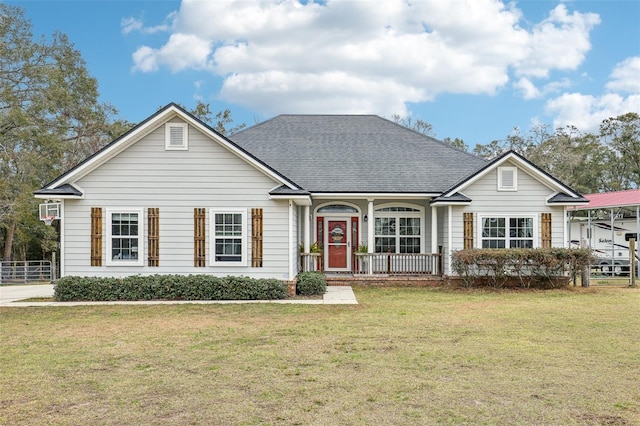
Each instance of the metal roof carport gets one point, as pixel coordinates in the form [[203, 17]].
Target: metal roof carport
[[615, 205]]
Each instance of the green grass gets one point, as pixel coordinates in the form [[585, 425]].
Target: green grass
[[403, 356]]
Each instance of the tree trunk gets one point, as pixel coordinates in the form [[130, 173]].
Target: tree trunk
[[8, 240]]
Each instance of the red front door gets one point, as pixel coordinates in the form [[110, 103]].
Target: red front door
[[337, 244]]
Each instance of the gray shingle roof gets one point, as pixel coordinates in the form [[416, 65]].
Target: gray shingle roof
[[356, 153], [65, 189], [564, 198]]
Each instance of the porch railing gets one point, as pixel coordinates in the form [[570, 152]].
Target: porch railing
[[382, 263], [311, 262]]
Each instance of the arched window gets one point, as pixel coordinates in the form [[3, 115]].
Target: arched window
[[337, 208], [398, 229]]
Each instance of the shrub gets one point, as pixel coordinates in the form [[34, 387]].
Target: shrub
[[168, 287], [529, 267], [311, 284]]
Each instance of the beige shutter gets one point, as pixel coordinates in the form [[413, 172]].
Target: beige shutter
[[468, 231], [546, 230], [199, 243], [256, 238], [153, 236], [96, 236]]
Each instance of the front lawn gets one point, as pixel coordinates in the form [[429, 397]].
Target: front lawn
[[403, 356]]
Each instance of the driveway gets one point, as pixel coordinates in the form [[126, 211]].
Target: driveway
[[10, 293]]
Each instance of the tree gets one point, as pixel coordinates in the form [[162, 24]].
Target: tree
[[622, 135], [418, 125], [456, 143], [219, 122], [48, 108], [575, 159]]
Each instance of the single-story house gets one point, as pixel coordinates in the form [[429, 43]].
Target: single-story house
[[345, 194]]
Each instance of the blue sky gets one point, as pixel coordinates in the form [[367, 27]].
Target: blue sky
[[474, 69]]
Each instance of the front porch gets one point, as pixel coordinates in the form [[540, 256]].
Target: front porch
[[378, 265]]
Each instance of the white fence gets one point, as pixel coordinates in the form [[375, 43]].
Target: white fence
[[28, 272]]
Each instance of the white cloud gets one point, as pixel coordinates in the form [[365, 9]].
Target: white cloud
[[182, 51], [559, 42], [131, 24], [587, 112], [626, 76], [364, 56], [527, 89]]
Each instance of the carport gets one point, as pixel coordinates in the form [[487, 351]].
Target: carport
[[612, 207]]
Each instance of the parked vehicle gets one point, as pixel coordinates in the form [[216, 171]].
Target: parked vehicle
[[610, 244]]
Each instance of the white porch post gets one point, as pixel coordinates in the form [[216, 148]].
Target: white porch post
[[434, 229], [449, 239], [371, 240], [292, 248], [370, 227], [307, 242]]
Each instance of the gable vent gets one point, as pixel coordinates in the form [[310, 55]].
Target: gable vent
[[507, 179], [176, 136]]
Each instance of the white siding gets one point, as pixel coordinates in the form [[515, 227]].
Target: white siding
[[206, 176], [529, 199]]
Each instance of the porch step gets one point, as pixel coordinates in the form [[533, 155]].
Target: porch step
[[386, 280]]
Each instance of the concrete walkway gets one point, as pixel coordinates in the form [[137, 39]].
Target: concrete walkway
[[11, 296]]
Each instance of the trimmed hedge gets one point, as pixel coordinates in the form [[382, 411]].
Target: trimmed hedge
[[168, 287], [311, 284], [544, 268]]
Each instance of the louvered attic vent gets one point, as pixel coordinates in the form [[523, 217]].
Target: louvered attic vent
[[176, 136], [507, 178]]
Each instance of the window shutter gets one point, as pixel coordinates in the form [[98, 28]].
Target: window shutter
[[96, 236], [199, 243], [468, 231], [256, 238], [546, 230], [153, 237]]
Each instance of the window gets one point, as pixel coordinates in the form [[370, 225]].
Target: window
[[507, 178], [398, 230], [124, 240], [176, 136], [507, 232], [229, 237]]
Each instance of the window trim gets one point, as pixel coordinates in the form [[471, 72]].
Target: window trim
[[501, 186], [243, 238], [141, 232], [536, 228], [167, 137], [417, 213]]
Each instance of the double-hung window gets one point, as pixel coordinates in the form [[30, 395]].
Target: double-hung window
[[124, 240], [508, 232], [229, 237], [398, 230]]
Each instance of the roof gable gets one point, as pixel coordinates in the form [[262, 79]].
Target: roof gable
[[569, 196], [144, 128]]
